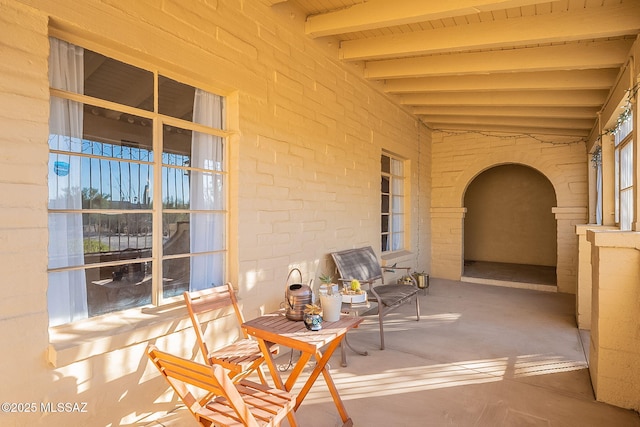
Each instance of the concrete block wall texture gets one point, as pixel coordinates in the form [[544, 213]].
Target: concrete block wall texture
[[614, 356], [305, 180], [458, 157]]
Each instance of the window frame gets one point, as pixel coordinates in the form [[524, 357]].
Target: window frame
[[401, 205], [623, 140], [159, 121]]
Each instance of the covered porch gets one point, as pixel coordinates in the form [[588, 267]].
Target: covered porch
[[481, 356]]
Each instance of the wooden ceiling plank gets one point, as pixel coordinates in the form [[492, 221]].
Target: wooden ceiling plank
[[551, 80], [383, 13], [598, 54], [609, 21], [558, 98]]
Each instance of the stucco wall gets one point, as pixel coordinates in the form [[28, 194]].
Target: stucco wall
[[305, 158], [614, 354], [458, 157]]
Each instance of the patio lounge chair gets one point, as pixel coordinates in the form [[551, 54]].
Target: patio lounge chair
[[362, 264], [213, 398], [241, 357]]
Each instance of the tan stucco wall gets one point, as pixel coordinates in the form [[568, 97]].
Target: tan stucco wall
[[614, 353], [459, 157], [305, 181], [608, 299]]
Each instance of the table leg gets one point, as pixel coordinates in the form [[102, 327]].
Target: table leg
[[271, 364], [321, 367], [273, 369]]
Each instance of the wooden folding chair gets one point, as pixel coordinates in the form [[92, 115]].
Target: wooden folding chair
[[213, 398], [241, 357]]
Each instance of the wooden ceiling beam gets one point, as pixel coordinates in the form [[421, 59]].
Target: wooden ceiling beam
[[609, 21], [550, 80], [500, 111], [383, 13], [558, 98], [598, 54], [508, 129], [538, 122]]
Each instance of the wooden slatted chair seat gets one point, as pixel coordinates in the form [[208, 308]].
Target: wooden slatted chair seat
[[213, 398], [241, 357]]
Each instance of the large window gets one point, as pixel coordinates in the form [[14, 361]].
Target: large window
[[137, 186], [393, 203], [624, 173]]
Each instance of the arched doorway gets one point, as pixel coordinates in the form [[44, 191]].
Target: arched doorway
[[509, 228]]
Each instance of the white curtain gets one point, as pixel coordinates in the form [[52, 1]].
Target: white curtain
[[206, 194], [67, 292]]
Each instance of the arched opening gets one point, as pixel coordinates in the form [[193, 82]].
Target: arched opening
[[509, 229]]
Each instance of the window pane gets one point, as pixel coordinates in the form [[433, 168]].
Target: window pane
[[175, 276], [398, 186], [117, 234], [175, 188], [208, 232], [195, 273], [385, 204], [385, 184], [187, 148], [385, 223], [115, 288], [66, 243], [385, 243], [112, 80], [175, 99], [106, 132], [626, 209], [626, 166], [92, 183], [95, 238], [207, 192], [398, 223], [398, 241], [385, 164], [397, 167], [398, 204]]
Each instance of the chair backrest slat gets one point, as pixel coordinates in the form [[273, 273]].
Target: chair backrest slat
[[216, 298], [181, 372], [361, 264], [185, 370]]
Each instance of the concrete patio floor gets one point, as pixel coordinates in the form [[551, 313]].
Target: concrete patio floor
[[481, 355]]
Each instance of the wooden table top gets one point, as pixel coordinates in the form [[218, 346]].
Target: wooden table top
[[275, 327]]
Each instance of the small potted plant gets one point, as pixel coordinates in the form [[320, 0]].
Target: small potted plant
[[313, 317]]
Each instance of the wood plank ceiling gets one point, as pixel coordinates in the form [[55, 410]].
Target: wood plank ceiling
[[523, 66]]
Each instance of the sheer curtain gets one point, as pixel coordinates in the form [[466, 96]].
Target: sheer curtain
[[67, 292], [207, 228]]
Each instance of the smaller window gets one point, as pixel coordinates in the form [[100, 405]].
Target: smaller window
[[392, 203], [623, 170]]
